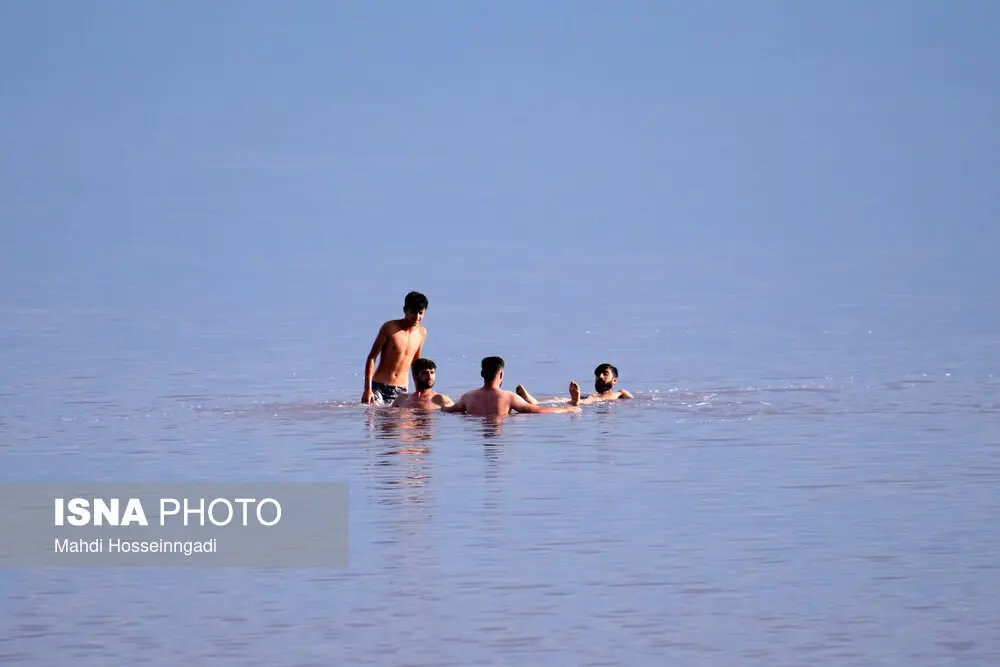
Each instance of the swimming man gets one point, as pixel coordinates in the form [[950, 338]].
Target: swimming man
[[490, 400], [424, 398], [605, 379], [397, 344]]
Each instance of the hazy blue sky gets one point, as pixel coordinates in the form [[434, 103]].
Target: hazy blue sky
[[215, 131]]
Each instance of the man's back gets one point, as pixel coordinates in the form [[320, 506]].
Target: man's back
[[487, 402], [492, 402]]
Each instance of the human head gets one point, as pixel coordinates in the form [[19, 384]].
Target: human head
[[424, 371], [492, 369], [414, 306], [605, 378]]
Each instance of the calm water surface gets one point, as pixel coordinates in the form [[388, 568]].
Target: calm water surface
[[809, 474]]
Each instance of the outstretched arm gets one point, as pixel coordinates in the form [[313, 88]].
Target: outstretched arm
[[458, 406], [366, 396], [442, 400], [521, 391], [518, 404]]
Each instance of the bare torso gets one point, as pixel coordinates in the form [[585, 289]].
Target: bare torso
[[430, 400], [398, 352], [612, 395], [489, 402]]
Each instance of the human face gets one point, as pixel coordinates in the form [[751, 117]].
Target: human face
[[413, 318], [424, 379], [604, 381]]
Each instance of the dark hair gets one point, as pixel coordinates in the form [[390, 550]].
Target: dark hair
[[604, 367], [422, 364], [415, 302], [491, 367]]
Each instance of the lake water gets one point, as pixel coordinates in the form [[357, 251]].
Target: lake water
[[810, 473]]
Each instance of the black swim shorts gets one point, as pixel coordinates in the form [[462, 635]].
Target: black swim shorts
[[385, 394]]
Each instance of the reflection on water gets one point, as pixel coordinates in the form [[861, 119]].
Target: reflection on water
[[407, 425], [730, 526], [490, 427], [400, 444]]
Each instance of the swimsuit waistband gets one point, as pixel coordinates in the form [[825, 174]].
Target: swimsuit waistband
[[382, 385]]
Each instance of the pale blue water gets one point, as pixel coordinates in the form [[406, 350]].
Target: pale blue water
[[809, 474], [777, 219]]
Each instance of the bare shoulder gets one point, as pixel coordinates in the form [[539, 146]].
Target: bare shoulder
[[442, 400], [624, 393], [459, 406]]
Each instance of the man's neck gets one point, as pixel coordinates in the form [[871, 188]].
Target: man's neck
[[424, 393]]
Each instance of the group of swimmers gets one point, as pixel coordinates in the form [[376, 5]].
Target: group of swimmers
[[398, 349]]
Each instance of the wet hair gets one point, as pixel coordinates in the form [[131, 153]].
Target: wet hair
[[491, 367], [605, 367], [415, 302], [422, 364]]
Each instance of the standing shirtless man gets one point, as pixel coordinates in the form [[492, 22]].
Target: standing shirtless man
[[490, 400], [398, 343]]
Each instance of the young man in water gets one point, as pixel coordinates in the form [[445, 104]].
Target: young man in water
[[605, 379], [397, 344], [424, 398], [490, 400]]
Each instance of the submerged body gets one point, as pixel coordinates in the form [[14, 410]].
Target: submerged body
[[605, 379], [491, 401], [424, 398]]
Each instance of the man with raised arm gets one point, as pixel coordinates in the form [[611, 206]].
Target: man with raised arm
[[605, 379], [397, 344], [490, 400]]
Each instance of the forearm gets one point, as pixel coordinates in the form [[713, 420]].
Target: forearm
[[369, 372], [557, 399], [552, 400]]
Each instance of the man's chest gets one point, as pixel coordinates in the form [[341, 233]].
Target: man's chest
[[404, 340]]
